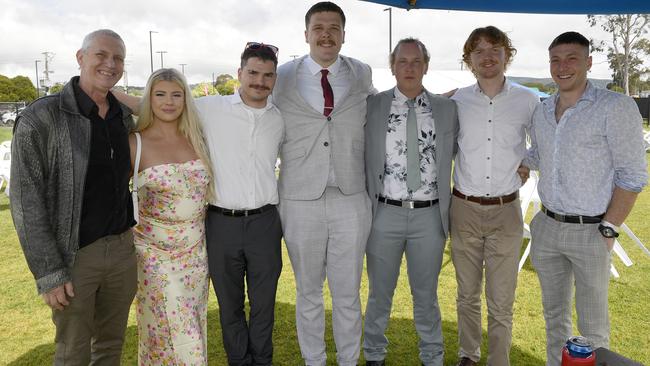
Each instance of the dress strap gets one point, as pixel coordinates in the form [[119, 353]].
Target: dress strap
[[136, 168]]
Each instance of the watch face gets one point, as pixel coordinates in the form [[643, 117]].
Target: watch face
[[607, 231]]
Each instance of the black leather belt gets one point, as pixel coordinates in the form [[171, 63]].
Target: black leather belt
[[239, 213], [407, 204], [573, 219], [484, 201]]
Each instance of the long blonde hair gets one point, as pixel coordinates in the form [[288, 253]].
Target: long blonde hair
[[189, 124]]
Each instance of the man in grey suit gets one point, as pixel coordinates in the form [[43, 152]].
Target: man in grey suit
[[324, 207], [410, 143]]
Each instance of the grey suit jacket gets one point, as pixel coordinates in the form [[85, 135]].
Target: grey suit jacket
[[312, 141], [445, 119]]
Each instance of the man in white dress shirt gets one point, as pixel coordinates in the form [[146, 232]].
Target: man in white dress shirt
[[323, 202], [486, 219], [244, 132]]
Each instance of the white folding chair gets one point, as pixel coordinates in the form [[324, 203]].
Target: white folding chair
[[527, 195], [5, 165]]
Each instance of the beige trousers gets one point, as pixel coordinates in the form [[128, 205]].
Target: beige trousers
[[485, 238]]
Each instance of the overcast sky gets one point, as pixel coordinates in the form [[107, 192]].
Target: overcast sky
[[209, 35]]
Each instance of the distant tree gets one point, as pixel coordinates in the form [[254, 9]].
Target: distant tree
[[25, 90], [551, 88], [16, 89], [203, 89], [228, 87], [57, 87], [614, 87], [548, 88], [628, 44], [135, 92], [223, 79]]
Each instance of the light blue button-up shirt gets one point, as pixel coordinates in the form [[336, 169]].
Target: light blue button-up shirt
[[595, 146]]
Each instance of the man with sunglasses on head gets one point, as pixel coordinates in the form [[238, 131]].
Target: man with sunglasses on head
[[324, 206], [243, 231], [243, 133]]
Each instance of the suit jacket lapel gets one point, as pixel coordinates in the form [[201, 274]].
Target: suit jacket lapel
[[293, 85], [384, 112]]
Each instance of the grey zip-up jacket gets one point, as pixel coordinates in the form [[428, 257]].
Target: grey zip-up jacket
[[49, 159]]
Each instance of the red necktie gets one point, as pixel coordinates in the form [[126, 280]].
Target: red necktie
[[328, 94]]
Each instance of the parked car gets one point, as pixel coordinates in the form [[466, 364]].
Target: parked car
[[8, 118]]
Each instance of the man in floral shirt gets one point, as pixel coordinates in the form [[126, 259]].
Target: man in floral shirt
[[410, 191]]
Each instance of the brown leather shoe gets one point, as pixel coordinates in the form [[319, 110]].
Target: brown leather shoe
[[466, 362]]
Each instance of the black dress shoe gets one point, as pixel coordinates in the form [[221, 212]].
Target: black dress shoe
[[375, 363], [466, 362]]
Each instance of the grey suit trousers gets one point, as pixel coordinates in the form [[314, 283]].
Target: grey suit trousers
[[563, 252], [327, 237], [419, 234]]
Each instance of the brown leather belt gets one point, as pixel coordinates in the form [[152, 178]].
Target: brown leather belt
[[488, 200]]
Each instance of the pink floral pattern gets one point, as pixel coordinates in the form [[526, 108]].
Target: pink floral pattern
[[172, 296]]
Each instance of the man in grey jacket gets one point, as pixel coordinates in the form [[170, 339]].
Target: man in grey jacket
[[410, 143], [324, 207], [71, 205]]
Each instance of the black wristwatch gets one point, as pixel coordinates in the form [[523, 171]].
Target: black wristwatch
[[607, 231]]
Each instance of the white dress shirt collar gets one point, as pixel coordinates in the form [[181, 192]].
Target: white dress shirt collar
[[236, 99], [398, 96], [315, 68], [507, 85]]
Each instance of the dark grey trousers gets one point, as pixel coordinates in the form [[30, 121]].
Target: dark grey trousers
[[245, 248]]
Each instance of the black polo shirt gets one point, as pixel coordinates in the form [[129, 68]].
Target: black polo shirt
[[107, 207]]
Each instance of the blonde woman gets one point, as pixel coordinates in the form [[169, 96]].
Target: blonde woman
[[172, 178]]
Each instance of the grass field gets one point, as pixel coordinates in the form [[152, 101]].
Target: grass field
[[28, 332]]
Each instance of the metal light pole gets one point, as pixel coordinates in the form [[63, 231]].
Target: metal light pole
[[183, 68], [38, 90], [151, 49], [161, 57], [390, 29]]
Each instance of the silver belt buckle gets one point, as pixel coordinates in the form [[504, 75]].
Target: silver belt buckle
[[408, 204]]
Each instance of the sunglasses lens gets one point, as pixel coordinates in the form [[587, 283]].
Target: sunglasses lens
[[257, 46]]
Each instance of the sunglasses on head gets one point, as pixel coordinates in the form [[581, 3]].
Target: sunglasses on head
[[261, 46]]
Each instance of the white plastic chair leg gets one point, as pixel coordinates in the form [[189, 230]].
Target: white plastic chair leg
[[618, 249], [524, 256], [638, 242]]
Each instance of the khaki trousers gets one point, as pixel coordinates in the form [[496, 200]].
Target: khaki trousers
[[91, 329], [485, 237]]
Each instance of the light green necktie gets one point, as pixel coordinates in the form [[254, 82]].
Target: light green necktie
[[413, 181]]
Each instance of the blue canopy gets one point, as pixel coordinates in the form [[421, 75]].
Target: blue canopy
[[528, 6]]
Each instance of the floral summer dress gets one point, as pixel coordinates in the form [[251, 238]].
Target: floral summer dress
[[172, 295]]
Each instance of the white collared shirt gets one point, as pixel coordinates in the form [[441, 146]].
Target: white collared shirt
[[244, 144], [492, 139], [395, 166], [308, 82]]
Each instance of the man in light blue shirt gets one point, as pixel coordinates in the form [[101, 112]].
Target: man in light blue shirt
[[587, 145]]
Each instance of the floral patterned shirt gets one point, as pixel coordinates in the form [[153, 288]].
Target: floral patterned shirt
[[395, 165]]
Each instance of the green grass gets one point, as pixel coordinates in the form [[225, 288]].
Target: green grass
[[5, 133], [28, 332]]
